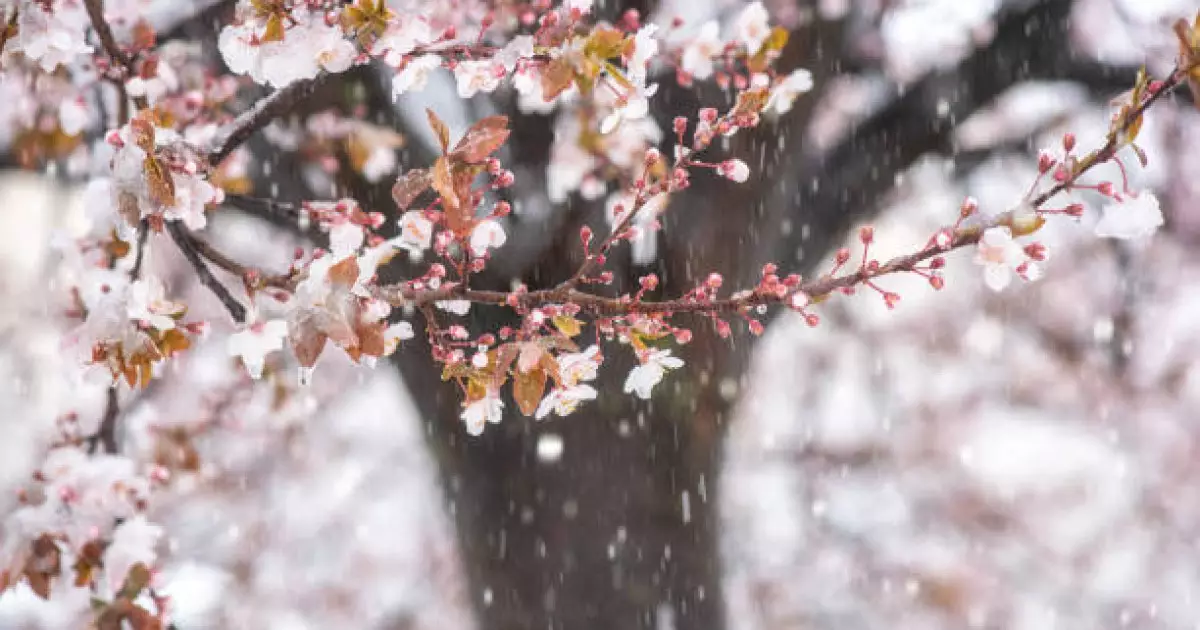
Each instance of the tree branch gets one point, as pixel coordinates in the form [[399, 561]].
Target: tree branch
[[106, 434], [566, 292], [187, 244], [261, 114], [95, 11]]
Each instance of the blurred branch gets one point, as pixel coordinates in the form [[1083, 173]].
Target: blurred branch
[[106, 434]]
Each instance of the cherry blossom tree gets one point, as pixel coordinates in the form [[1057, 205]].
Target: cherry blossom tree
[[168, 132]]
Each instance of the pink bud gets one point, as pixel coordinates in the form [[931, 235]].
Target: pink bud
[[842, 256], [937, 282], [1045, 161], [1105, 188], [649, 282], [756, 327], [683, 335], [708, 115], [937, 263], [1068, 142], [866, 234], [714, 280], [680, 124], [969, 206], [585, 235], [812, 320], [891, 299], [769, 269], [1074, 210], [502, 209], [723, 330]]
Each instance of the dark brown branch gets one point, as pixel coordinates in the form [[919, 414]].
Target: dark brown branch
[[106, 434], [143, 236], [260, 115], [187, 244], [95, 11]]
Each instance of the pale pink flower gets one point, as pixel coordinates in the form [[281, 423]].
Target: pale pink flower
[[255, 342], [487, 235], [753, 27], [416, 232], [734, 169], [644, 377], [133, 542], [1134, 217], [481, 75], [415, 75], [564, 401], [698, 55], [1000, 255], [477, 414], [784, 95], [406, 34]]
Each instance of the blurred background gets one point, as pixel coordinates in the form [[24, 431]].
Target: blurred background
[[1021, 460]]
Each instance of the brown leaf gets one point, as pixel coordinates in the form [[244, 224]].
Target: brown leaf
[[274, 30], [439, 129], [443, 183], [162, 187], [410, 185], [482, 139], [345, 273], [557, 76], [527, 390], [307, 343]]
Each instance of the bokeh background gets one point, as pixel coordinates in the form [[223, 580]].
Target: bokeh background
[[1025, 459]]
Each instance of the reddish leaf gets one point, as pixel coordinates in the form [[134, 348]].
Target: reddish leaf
[[410, 185], [482, 139], [527, 390], [307, 343], [439, 129], [158, 178], [443, 183], [557, 76]]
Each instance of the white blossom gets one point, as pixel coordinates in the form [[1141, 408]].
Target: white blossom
[[753, 27], [456, 307], [574, 367], [477, 75], [644, 377], [487, 235], [698, 55], [344, 239], [255, 342], [402, 38], [133, 542], [55, 38], [477, 414], [1000, 255], [1132, 218], [415, 75], [416, 232], [147, 303], [564, 401], [784, 95]]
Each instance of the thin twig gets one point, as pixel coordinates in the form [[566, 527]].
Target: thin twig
[[566, 292], [95, 11], [224, 261], [187, 245]]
